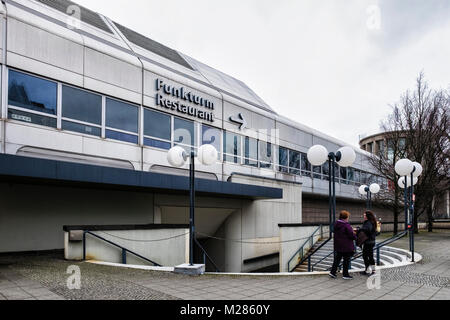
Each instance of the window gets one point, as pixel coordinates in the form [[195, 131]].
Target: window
[[357, 176], [232, 147], [184, 133], [306, 166], [317, 172], [251, 152], [344, 175], [83, 107], [283, 160], [294, 162], [124, 117], [265, 154], [211, 135], [157, 129], [350, 174], [32, 99], [325, 171]]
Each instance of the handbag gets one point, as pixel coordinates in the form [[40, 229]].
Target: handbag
[[361, 238]]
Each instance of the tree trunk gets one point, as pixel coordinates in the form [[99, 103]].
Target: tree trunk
[[430, 218], [395, 222]]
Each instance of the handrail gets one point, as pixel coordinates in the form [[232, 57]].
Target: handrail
[[301, 250], [206, 255], [378, 246], [124, 250], [358, 255]]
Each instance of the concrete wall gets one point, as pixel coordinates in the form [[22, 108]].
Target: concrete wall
[[167, 253], [32, 216], [289, 248]]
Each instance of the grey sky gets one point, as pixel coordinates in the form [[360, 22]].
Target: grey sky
[[322, 63]]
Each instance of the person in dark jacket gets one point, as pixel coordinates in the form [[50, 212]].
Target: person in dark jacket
[[344, 247], [369, 227]]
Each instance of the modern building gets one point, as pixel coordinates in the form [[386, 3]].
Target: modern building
[[89, 110]]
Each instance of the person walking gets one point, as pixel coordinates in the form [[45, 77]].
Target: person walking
[[369, 227], [344, 247]]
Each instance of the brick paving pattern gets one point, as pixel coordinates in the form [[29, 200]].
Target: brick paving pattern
[[44, 277]]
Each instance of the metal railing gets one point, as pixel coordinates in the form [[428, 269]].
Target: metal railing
[[124, 250], [299, 255], [377, 247]]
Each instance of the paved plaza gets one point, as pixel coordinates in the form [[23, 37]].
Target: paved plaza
[[45, 277]]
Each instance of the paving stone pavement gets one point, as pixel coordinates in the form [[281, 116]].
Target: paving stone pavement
[[45, 276]]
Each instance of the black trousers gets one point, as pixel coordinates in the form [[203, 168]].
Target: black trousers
[[337, 261], [368, 255]]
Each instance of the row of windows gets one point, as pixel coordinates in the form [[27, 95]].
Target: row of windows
[[35, 100]]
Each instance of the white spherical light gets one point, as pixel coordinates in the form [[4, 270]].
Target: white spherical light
[[362, 190], [401, 182], [348, 157], [404, 167], [175, 156], [375, 188], [207, 154], [317, 155], [419, 169]]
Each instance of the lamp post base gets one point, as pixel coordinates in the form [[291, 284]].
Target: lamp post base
[[194, 270]]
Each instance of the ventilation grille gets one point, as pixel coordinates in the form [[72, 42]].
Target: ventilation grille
[[87, 16], [153, 46]]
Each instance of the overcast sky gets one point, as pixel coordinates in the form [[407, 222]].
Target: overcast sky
[[331, 65]]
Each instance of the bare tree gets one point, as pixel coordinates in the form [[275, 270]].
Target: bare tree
[[417, 128]]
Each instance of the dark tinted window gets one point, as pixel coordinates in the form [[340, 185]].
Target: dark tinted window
[[294, 162], [265, 154], [184, 132], [121, 136], [157, 144], [211, 135], [31, 118], [251, 151], [306, 166], [157, 124], [283, 155], [32, 93], [232, 146], [122, 115], [81, 128], [81, 105]]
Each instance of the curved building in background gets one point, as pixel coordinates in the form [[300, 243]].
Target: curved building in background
[[90, 109]]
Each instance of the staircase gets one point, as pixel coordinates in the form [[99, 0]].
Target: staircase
[[322, 260]]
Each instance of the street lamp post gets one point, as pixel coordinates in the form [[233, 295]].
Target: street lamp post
[[409, 173], [344, 157], [177, 157], [367, 191]]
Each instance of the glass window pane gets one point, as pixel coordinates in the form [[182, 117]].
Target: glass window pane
[[82, 128], [157, 124], [350, 174], [294, 159], [81, 105], [211, 136], [357, 176], [344, 173], [251, 151], [325, 171], [32, 93], [157, 144], [122, 115], [265, 154], [283, 159], [184, 132], [232, 144], [31, 118], [317, 172], [306, 166], [121, 136]]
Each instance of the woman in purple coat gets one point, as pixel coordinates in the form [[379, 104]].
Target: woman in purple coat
[[344, 247]]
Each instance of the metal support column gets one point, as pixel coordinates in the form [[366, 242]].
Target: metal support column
[[191, 208]]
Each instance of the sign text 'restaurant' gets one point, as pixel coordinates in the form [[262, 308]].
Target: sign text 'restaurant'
[[182, 94]]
